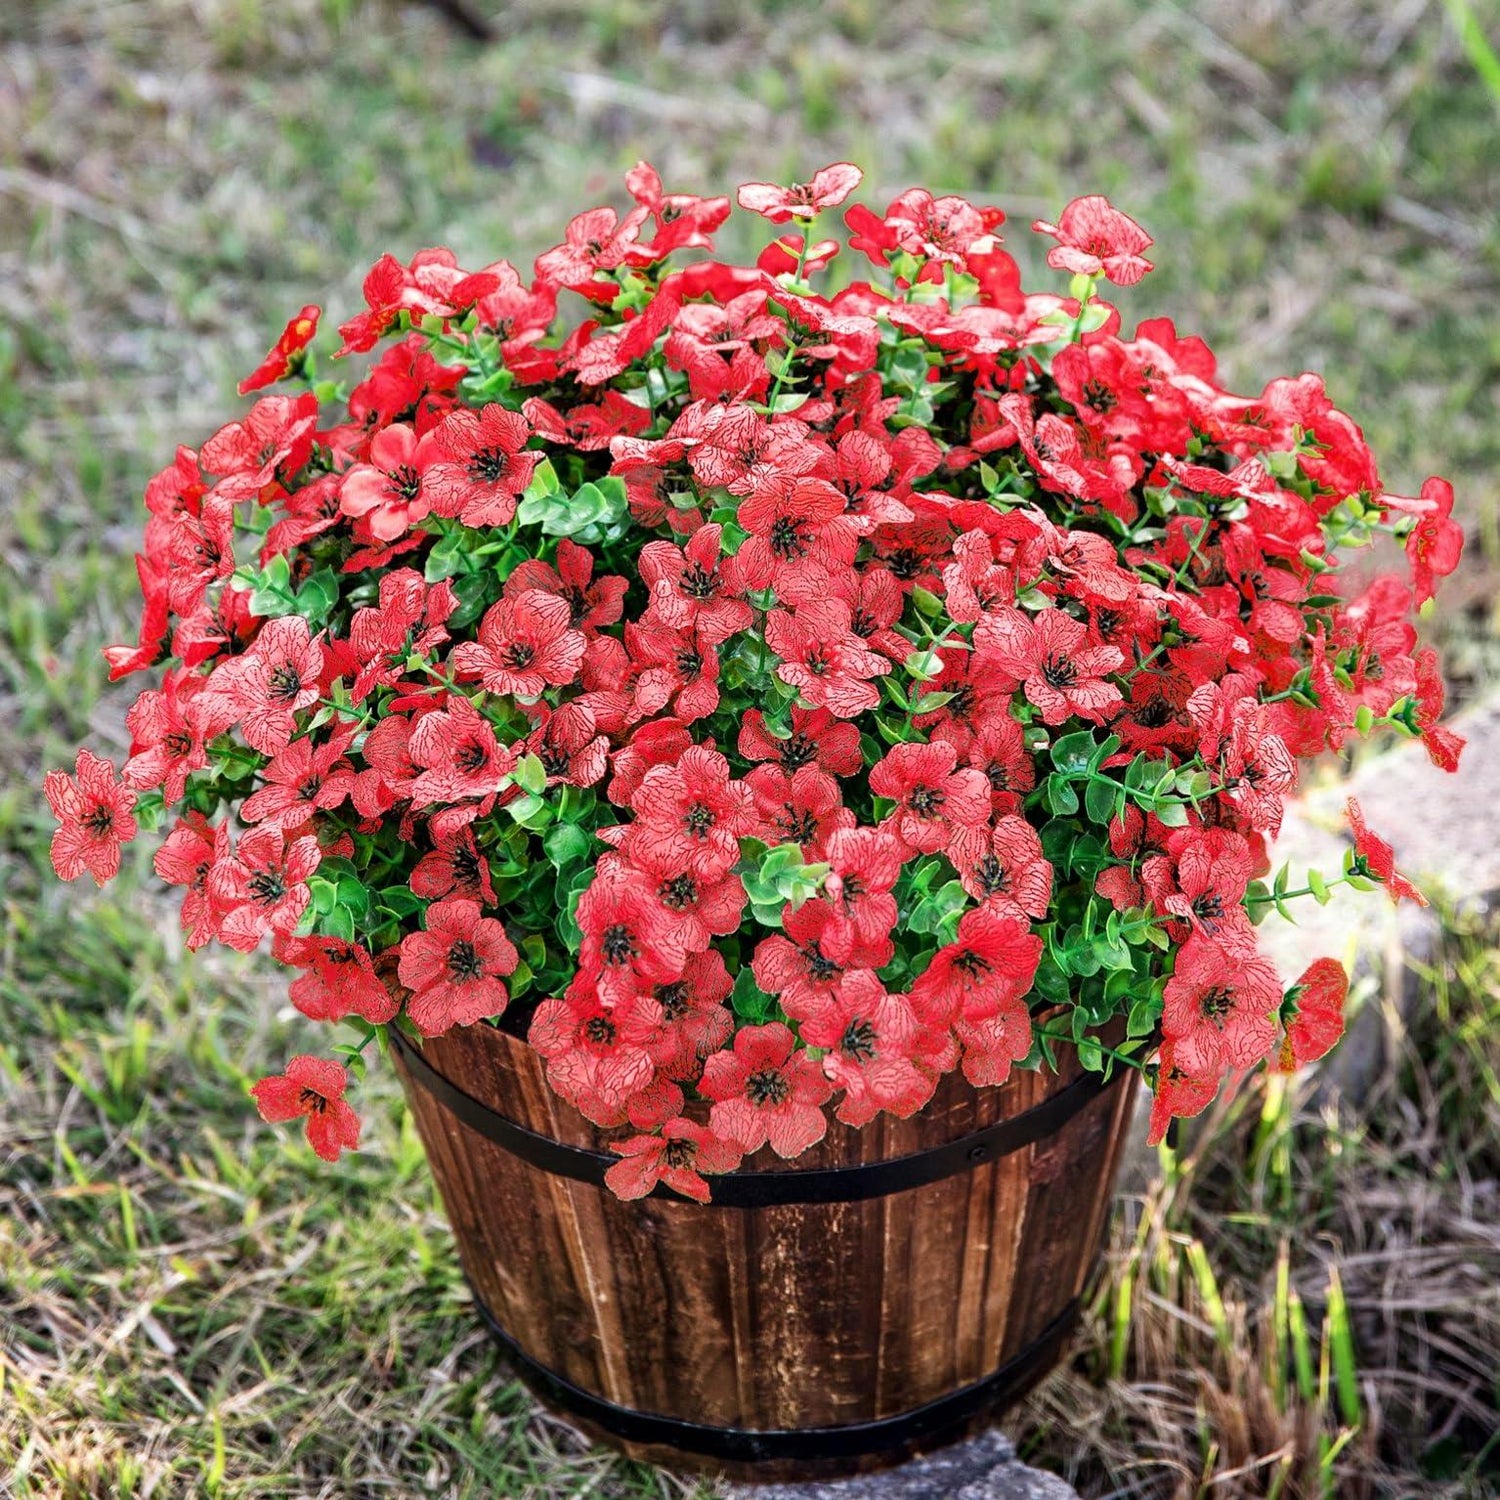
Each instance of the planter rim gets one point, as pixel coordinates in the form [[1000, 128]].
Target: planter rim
[[846, 1184]]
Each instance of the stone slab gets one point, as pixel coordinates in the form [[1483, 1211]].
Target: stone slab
[[983, 1468]]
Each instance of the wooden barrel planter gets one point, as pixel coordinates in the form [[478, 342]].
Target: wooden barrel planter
[[830, 1315]]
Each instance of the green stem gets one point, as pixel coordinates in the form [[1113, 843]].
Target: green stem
[[791, 350], [1067, 1036], [1271, 898]]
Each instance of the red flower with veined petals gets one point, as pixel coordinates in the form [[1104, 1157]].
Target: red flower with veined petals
[[974, 582], [1258, 768], [1202, 878], [683, 220], [692, 813], [696, 585], [456, 969], [410, 621], [1219, 1010], [477, 467], [1435, 545], [680, 667], [567, 746], [678, 1157], [1007, 871], [276, 438], [864, 866], [199, 552], [338, 980], [1377, 859], [168, 731], [937, 806], [286, 354], [799, 538], [693, 909], [1180, 1093], [1132, 838], [1442, 745], [807, 965], [453, 867], [261, 885], [263, 689], [802, 200], [803, 807], [1094, 236], [1062, 676], [595, 241], [390, 493], [993, 1044], [311, 1087], [598, 1051], [185, 858], [628, 943], [738, 449], [459, 756], [301, 780], [657, 743], [988, 969], [823, 659], [766, 1090], [694, 1019], [93, 814], [977, 693], [998, 749], [525, 644], [1313, 1014], [815, 738], [155, 621], [592, 603], [875, 1050]]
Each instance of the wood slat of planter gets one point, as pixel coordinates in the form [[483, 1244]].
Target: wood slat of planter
[[801, 1315]]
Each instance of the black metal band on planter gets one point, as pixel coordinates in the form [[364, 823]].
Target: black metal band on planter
[[799, 1444], [849, 1184]]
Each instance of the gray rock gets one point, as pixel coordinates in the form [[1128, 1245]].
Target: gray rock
[[984, 1468]]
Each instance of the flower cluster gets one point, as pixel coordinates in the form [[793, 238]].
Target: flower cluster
[[767, 687]]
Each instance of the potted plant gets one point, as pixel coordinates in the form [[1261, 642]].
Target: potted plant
[[776, 757]]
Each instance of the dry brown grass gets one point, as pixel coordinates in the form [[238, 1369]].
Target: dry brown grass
[[1376, 1231]]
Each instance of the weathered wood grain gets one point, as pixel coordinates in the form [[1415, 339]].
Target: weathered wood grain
[[799, 1315]]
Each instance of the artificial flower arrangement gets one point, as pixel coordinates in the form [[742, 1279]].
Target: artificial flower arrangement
[[765, 697]]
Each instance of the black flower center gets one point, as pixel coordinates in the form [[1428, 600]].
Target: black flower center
[[600, 1030], [680, 1154], [471, 756], [678, 893], [285, 683], [768, 1086], [991, 875], [675, 999], [1217, 1003], [796, 752], [488, 464], [616, 944], [1059, 672], [787, 540], [267, 887], [858, 1040], [926, 801], [405, 483], [463, 962]]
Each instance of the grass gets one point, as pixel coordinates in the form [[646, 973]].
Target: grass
[[189, 1305]]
